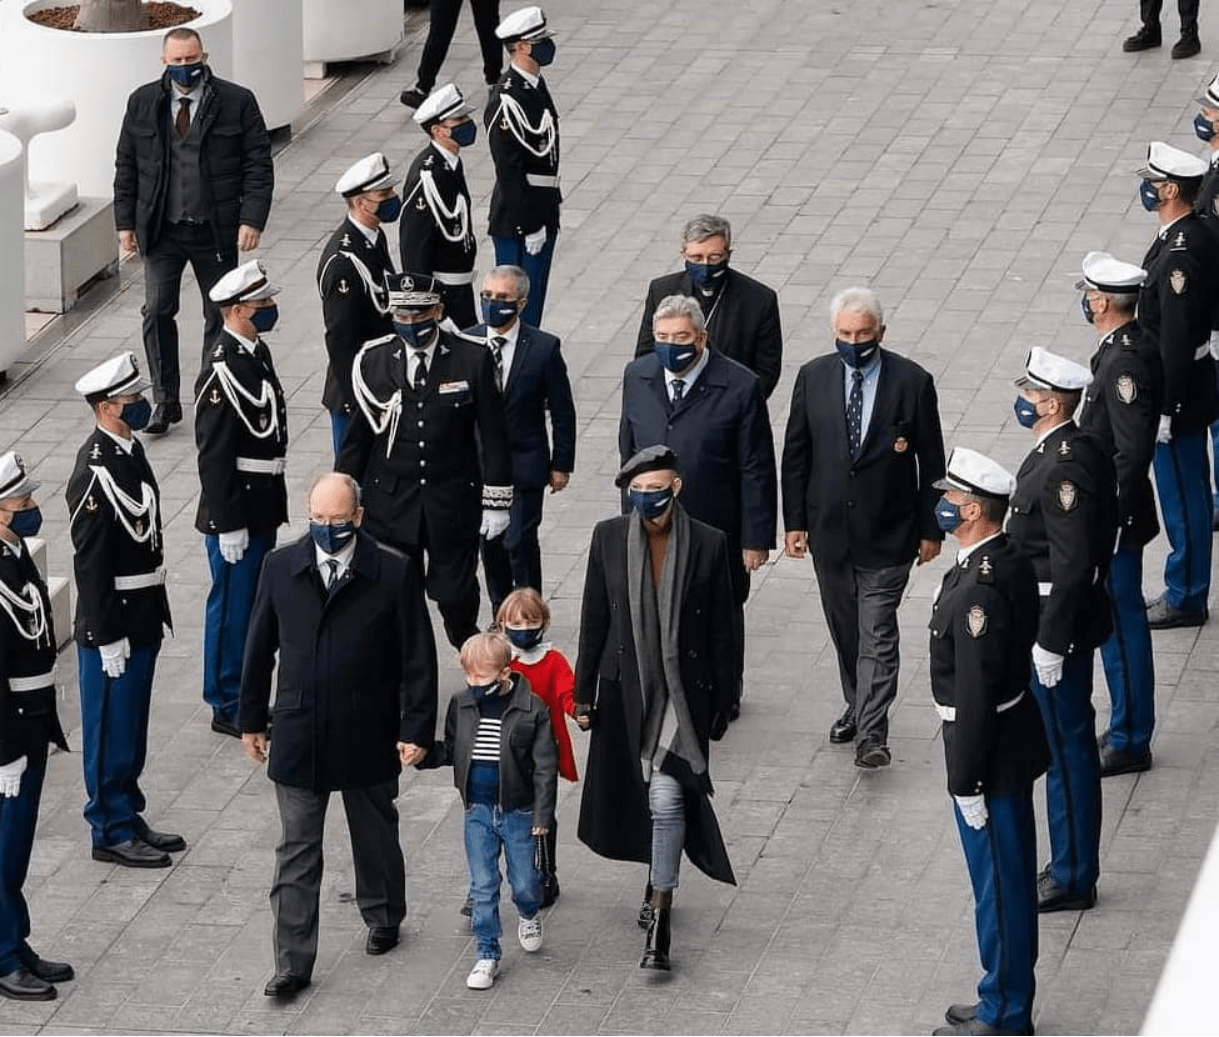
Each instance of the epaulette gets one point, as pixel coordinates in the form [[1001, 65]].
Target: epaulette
[[986, 570], [1065, 453], [1179, 243]]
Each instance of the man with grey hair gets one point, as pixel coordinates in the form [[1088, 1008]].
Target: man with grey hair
[[710, 411], [862, 451], [742, 315]]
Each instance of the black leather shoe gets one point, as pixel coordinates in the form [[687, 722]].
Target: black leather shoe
[[47, 971], [871, 755], [977, 1028], [283, 986], [413, 97], [961, 1013], [134, 853], [22, 985], [843, 729], [166, 842], [1187, 46], [226, 727], [164, 415], [1123, 761], [1163, 616], [1051, 897], [381, 939], [1145, 39], [646, 911]]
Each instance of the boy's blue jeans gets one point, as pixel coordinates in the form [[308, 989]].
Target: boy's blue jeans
[[487, 828]]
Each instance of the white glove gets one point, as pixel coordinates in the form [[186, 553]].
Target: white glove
[[233, 545], [495, 522], [1048, 666], [535, 241], [114, 657], [973, 809], [10, 777], [1164, 432]]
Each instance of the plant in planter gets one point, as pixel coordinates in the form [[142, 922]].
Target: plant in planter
[[111, 16]]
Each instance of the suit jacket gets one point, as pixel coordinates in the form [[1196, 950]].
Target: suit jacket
[[357, 666], [355, 305], [240, 416], [536, 384], [114, 508], [871, 511], [720, 432], [435, 232], [522, 127], [743, 323]]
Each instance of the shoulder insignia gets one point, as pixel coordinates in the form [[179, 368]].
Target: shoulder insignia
[[1178, 242], [1177, 281], [429, 160], [1127, 391], [1126, 339], [214, 399], [986, 570], [219, 350], [1064, 449], [1067, 497], [96, 453], [975, 621], [344, 287], [397, 354], [346, 242], [90, 503]]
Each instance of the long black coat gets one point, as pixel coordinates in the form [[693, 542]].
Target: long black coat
[[357, 667], [615, 821]]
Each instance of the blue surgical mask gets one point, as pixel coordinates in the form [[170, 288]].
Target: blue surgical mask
[[26, 523], [464, 134], [264, 319], [1026, 412], [416, 335], [186, 75], [497, 314], [389, 209], [1085, 304], [947, 515], [856, 354], [674, 357], [332, 538], [650, 503], [706, 276], [542, 51], [136, 415], [1149, 196], [1203, 127], [524, 638]]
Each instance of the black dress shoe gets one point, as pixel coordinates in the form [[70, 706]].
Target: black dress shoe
[[871, 755], [1123, 761], [1187, 46], [166, 842], [843, 729], [976, 1028], [1051, 897], [381, 939], [164, 415], [284, 986], [413, 97], [226, 727], [134, 853], [1145, 39], [961, 1013], [1163, 616], [47, 971], [22, 985]]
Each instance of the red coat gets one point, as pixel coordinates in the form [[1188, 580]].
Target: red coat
[[555, 684]]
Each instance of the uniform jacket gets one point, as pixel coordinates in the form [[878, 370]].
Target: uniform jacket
[[527, 761], [114, 508], [1206, 205], [720, 432], [983, 626], [239, 413], [438, 456], [872, 510], [237, 172], [1064, 517], [1122, 410], [357, 666], [434, 232], [28, 720], [523, 133], [615, 821], [535, 385], [1177, 310], [355, 305], [743, 322]]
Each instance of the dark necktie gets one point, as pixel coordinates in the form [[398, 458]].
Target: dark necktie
[[421, 370], [182, 121], [332, 576], [855, 412], [679, 389], [497, 351]]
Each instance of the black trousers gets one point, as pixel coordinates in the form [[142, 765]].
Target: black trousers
[[1149, 11], [178, 245], [514, 559], [442, 25]]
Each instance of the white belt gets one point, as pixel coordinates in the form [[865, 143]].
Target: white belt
[[1044, 589], [262, 466], [138, 581], [949, 713], [1202, 351], [35, 683], [454, 279], [541, 180]]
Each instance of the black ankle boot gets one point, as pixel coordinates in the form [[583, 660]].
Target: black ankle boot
[[656, 948], [646, 911]]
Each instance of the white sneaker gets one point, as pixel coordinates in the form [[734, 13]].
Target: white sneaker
[[483, 974], [529, 932]]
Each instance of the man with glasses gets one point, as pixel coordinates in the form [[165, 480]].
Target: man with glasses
[[741, 314]]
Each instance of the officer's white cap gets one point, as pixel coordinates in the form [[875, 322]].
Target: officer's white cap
[[370, 173], [445, 103], [1164, 162], [118, 376], [13, 479], [1210, 99], [976, 473], [1106, 273], [246, 283], [529, 23], [1046, 370]]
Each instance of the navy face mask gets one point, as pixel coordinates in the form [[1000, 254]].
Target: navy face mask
[[1085, 304], [675, 357], [416, 335], [856, 354], [464, 134], [542, 52], [496, 313], [389, 209], [524, 638], [136, 415], [706, 276], [26, 523], [947, 515], [264, 319], [1026, 412], [332, 539], [1149, 196], [1203, 127], [650, 503], [186, 75], [480, 691]]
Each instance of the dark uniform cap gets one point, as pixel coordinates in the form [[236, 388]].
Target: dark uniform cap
[[657, 458], [412, 291], [14, 482], [976, 473]]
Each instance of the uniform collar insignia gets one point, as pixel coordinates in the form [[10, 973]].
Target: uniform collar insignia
[[346, 242]]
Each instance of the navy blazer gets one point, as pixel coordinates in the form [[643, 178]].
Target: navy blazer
[[720, 432], [536, 383]]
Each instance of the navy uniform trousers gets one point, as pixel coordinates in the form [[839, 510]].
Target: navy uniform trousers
[[1129, 670], [512, 251], [18, 819], [1183, 481]]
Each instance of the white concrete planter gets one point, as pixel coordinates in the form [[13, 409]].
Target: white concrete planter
[[351, 29], [97, 71], [268, 41], [12, 249]]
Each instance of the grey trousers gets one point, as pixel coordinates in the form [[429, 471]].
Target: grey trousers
[[372, 818], [861, 609]]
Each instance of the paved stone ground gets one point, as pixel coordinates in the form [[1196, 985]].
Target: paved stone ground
[[959, 156]]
